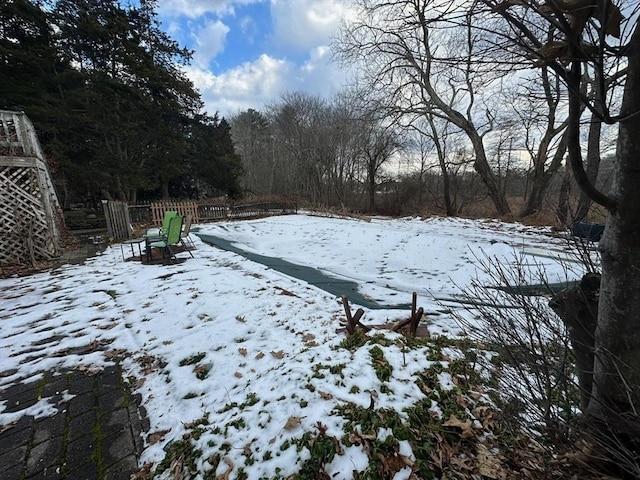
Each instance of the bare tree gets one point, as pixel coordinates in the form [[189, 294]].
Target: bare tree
[[435, 134], [378, 143], [593, 34], [343, 174], [252, 140], [540, 109], [410, 55], [300, 131]]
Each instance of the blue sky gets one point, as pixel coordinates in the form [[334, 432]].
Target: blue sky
[[248, 53]]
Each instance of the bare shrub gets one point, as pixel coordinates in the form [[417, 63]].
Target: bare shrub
[[537, 382], [508, 312]]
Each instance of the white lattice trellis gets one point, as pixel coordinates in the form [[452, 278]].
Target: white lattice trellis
[[29, 209]]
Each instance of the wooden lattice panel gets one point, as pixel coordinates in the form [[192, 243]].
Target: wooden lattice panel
[[28, 205]]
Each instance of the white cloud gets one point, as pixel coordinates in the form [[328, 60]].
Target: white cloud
[[249, 28], [249, 85], [319, 75], [295, 56], [257, 84], [303, 24], [210, 40], [196, 8]]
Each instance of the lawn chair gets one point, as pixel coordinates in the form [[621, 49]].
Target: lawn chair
[[185, 240], [157, 234], [170, 240]]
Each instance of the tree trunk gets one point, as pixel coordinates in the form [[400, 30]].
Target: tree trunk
[[165, 189], [563, 197], [371, 190], [542, 178], [578, 309], [593, 155], [450, 209], [481, 166], [616, 382]]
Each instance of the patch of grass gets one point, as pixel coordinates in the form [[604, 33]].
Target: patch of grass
[[181, 451], [238, 424], [413, 342], [381, 365], [252, 399], [359, 338], [192, 360], [322, 450], [317, 370], [363, 426], [369, 421], [354, 341]]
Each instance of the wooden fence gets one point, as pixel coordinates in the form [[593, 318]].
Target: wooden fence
[[120, 217], [183, 208], [203, 212]]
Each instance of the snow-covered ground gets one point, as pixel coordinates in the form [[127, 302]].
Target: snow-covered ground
[[221, 340]]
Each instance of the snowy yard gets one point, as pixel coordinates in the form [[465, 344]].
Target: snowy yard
[[246, 361]]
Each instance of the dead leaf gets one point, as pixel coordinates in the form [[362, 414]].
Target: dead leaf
[[107, 327], [475, 395], [259, 355], [325, 395], [292, 423], [453, 421], [114, 353], [488, 464], [156, 437], [462, 401], [485, 415], [285, 292], [201, 370], [177, 468], [8, 426], [279, 354], [242, 351], [227, 472], [143, 473], [237, 375]]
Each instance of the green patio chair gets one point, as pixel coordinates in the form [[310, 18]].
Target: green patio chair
[[155, 235], [171, 239], [186, 242]]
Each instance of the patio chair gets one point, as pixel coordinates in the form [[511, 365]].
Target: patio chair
[[185, 240], [171, 239], [157, 234]]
